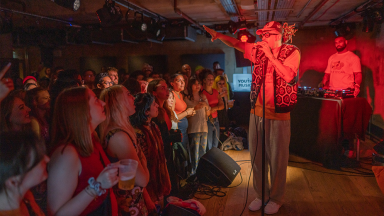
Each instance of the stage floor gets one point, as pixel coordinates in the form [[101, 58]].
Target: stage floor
[[311, 190]]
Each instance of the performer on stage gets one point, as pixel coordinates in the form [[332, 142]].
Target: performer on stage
[[344, 69], [280, 64]]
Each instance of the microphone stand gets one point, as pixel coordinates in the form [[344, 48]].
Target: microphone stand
[[263, 151]]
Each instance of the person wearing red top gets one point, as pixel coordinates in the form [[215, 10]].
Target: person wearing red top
[[178, 84], [80, 180], [215, 104]]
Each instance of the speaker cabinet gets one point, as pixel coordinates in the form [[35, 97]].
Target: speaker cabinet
[[217, 168]]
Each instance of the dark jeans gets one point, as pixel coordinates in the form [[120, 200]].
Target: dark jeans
[[213, 133]]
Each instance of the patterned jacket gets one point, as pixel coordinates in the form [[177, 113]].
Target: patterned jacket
[[285, 93]]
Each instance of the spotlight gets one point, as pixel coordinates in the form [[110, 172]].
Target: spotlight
[[70, 4], [245, 36], [139, 24], [110, 14], [232, 27], [242, 25], [157, 29]]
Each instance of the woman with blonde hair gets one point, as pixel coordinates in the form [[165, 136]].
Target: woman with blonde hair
[[221, 85], [119, 142], [79, 178]]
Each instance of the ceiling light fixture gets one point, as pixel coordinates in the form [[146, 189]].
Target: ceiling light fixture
[[245, 36], [139, 24], [110, 14], [70, 4]]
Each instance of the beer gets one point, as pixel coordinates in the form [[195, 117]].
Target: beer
[[127, 181]]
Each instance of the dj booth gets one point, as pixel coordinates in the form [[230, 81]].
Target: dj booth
[[319, 125]]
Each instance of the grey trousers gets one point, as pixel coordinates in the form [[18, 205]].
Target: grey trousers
[[278, 134]]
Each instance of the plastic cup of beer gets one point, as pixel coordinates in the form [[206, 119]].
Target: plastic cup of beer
[[127, 173]]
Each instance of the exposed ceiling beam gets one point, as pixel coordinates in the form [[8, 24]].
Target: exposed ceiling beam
[[269, 10], [185, 16], [305, 6], [317, 8]]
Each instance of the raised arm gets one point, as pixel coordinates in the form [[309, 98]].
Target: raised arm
[[229, 41]]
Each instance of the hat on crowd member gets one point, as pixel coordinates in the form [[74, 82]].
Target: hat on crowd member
[[28, 78], [199, 67], [272, 26]]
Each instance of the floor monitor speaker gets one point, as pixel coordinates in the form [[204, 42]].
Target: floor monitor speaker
[[217, 168]]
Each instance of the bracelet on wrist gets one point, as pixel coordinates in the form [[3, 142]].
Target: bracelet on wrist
[[95, 185], [88, 190]]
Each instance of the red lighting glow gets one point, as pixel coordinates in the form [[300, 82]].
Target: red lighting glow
[[244, 38]]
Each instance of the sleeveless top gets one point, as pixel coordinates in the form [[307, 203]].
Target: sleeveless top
[[213, 100], [92, 167], [180, 105], [130, 202]]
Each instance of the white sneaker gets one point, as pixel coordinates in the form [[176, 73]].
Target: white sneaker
[[255, 205], [271, 208]]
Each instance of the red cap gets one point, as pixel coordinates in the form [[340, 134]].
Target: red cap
[[28, 78], [271, 26]]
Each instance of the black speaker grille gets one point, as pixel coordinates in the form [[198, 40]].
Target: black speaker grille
[[217, 168]]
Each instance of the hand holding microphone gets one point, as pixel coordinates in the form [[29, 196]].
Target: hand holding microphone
[[263, 46]]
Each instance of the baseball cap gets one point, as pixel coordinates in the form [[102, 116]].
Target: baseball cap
[[271, 26], [28, 78]]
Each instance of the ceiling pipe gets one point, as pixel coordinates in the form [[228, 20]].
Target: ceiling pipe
[[317, 8], [38, 16], [185, 16], [305, 6]]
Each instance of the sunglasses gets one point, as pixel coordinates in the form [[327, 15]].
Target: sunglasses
[[267, 34]]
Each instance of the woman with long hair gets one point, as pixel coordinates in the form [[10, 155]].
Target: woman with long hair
[[38, 100], [14, 114], [178, 84], [79, 178], [159, 89], [197, 124], [220, 85], [215, 102], [150, 140], [23, 165], [119, 142]]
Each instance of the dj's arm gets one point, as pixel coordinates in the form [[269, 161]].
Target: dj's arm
[[358, 78], [325, 81]]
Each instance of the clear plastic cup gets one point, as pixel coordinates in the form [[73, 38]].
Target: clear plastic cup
[[127, 174]]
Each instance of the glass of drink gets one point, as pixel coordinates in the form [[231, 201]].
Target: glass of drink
[[127, 173]]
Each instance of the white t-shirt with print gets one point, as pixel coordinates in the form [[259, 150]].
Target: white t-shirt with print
[[341, 68]]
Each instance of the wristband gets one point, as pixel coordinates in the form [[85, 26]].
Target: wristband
[[95, 185]]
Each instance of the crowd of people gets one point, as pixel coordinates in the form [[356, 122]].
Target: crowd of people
[[63, 134]]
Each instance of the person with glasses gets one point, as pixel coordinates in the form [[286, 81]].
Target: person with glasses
[[279, 62], [102, 81]]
